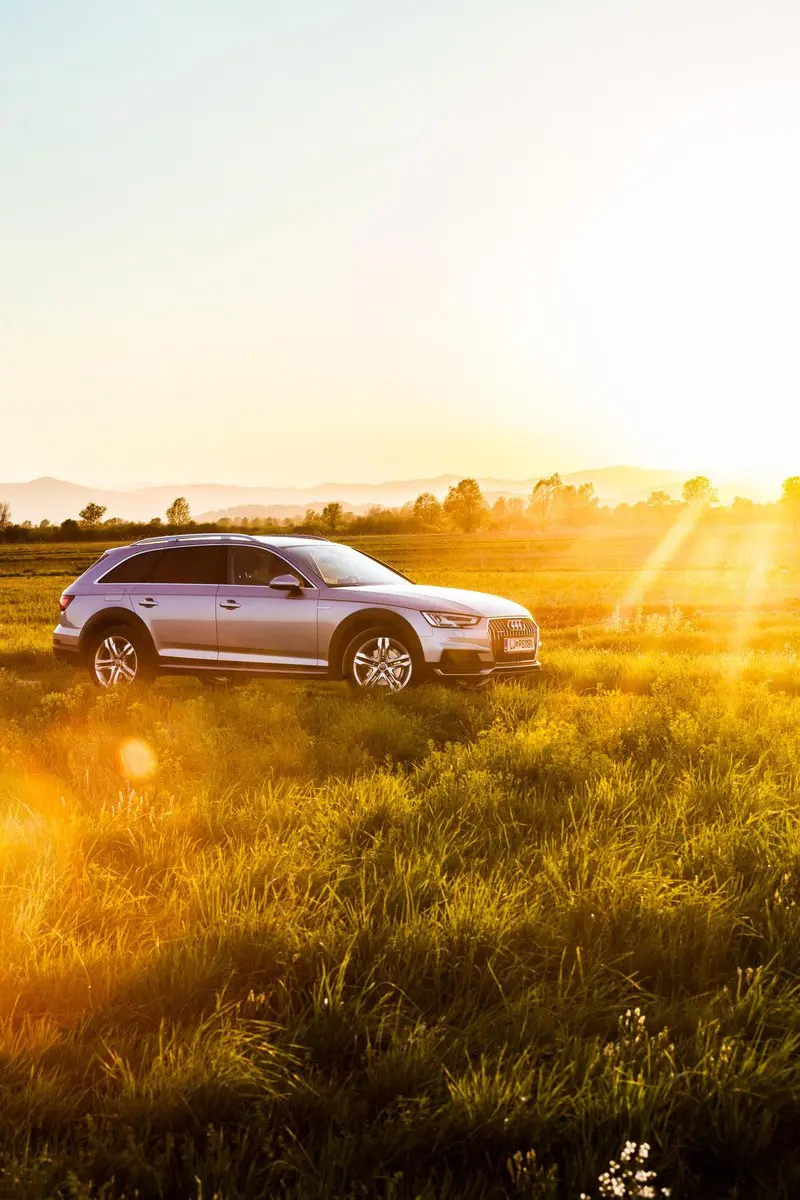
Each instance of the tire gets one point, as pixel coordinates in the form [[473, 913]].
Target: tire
[[120, 657], [383, 659]]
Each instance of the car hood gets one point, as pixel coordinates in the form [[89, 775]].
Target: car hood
[[432, 599]]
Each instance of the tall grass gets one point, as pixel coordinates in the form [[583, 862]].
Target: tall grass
[[291, 943]]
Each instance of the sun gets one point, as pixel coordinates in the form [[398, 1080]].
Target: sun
[[680, 296]]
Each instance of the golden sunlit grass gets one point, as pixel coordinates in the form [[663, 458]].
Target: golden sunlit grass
[[281, 941]]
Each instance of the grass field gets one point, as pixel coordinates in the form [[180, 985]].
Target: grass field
[[285, 942]]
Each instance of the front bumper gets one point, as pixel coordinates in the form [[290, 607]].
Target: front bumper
[[493, 670], [480, 652]]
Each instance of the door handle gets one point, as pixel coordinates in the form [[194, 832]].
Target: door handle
[[229, 604], [149, 602]]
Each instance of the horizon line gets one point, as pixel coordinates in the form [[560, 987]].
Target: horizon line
[[680, 475]]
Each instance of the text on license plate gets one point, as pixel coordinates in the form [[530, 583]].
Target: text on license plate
[[518, 645]]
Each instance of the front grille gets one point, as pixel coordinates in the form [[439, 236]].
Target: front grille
[[502, 627]]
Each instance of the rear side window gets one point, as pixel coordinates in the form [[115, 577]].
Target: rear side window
[[192, 564], [136, 569]]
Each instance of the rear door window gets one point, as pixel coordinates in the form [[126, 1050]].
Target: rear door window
[[136, 569], [191, 564]]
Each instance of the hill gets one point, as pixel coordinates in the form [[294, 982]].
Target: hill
[[56, 499]]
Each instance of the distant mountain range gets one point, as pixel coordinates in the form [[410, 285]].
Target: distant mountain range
[[56, 499]]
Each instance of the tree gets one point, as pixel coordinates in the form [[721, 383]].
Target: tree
[[659, 499], [581, 503], [508, 512], [69, 530], [500, 513], [790, 499], [178, 512], [16, 533], [698, 491], [332, 517], [92, 515], [466, 505], [515, 507], [427, 510], [545, 493], [5, 514]]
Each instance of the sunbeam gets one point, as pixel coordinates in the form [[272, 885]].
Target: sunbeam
[[663, 554], [761, 557]]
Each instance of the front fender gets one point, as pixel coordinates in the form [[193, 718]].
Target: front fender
[[336, 635]]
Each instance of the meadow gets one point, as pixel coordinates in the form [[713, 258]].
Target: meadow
[[283, 941]]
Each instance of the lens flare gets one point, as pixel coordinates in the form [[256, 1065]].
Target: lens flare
[[137, 759]]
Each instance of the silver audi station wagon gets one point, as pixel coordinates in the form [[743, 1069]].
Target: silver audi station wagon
[[222, 606]]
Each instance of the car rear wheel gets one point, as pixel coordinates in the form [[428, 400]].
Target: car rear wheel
[[382, 660], [119, 657]]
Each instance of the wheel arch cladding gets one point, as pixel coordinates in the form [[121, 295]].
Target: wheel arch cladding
[[111, 618], [364, 619]]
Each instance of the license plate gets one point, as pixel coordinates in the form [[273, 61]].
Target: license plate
[[518, 645]]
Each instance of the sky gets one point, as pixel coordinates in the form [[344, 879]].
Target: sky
[[277, 243]]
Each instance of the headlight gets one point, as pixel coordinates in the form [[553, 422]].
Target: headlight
[[450, 620]]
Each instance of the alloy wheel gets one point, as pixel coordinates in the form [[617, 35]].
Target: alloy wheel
[[382, 662], [115, 661]]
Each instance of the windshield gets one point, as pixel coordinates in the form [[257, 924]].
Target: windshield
[[342, 566]]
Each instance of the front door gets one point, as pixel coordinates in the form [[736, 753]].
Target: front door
[[262, 627]]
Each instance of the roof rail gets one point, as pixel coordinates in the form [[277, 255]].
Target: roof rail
[[302, 537], [178, 538], [185, 537]]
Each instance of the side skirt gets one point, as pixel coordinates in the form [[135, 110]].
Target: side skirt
[[208, 667]]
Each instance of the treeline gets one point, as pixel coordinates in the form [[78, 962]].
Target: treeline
[[552, 505]]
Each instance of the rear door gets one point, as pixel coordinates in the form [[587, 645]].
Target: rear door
[[179, 602], [136, 568], [262, 627]]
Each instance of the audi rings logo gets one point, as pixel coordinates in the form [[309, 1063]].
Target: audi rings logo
[[516, 625]]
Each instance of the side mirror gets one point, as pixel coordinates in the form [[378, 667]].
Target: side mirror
[[286, 583]]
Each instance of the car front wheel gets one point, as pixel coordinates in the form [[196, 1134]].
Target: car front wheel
[[382, 660]]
